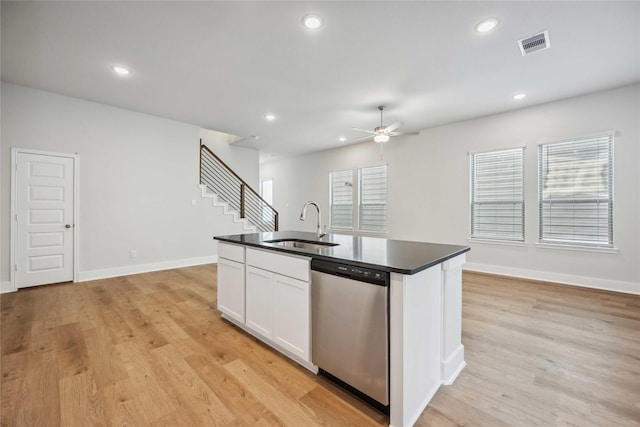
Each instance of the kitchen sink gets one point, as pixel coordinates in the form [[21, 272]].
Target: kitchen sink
[[301, 244]]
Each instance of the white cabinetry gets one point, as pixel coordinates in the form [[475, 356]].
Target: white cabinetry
[[452, 348], [292, 316], [269, 295], [260, 296], [278, 300], [231, 283]]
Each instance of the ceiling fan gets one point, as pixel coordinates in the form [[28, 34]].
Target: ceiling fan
[[382, 133]]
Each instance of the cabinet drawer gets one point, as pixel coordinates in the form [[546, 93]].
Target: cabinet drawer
[[232, 252], [287, 265]]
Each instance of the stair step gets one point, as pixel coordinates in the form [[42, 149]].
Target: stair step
[[226, 208]]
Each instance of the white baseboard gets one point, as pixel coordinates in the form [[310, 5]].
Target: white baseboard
[[6, 287], [106, 273], [452, 367], [565, 279]]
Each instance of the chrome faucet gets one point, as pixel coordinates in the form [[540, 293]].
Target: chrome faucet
[[304, 213]]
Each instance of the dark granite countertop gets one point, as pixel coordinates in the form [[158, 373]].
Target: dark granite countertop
[[396, 256]]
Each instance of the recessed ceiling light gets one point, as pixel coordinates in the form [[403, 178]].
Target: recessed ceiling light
[[269, 117], [342, 139], [519, 96], [121, 70], [486, 25], [312, 22]]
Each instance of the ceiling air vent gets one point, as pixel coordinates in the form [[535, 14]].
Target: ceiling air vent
[[535, 42]]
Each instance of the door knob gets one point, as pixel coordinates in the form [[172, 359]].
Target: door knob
[[67, 226]]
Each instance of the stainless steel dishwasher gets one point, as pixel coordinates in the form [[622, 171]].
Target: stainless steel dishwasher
[[350, 328]]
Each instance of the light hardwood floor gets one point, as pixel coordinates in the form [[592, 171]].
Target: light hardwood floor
[[152, 350]]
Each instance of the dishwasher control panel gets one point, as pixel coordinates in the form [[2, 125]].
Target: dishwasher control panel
[[357, 272], [364, 274]]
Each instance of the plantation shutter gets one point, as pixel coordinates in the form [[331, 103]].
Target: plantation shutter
[[341, 183], [576, 191], [497, 195], [373, 199]]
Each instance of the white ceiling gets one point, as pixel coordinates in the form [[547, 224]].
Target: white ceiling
[[224, 65]]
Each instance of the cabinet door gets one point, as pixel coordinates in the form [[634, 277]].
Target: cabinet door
[[260, 301], [231, 288], [292, 316]]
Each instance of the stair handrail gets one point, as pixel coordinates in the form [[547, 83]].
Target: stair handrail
[[243, 185]]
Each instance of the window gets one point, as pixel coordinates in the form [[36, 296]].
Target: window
[[497, 195], [266, 192], [575, 192], [341, 199], [371, 190], [372, 203]]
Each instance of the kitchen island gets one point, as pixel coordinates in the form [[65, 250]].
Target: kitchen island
[[264, 286]]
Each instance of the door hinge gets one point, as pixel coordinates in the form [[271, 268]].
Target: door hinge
[[15, 267]]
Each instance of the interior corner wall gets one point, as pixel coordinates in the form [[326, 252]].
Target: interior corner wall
[[428, 186], [138, 178]]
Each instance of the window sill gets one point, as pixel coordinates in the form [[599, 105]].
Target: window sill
[[496, 242], [577, 248], [381, 234], [340, 231], [358, 233]]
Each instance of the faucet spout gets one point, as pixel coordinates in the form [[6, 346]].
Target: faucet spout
[[303, 215]]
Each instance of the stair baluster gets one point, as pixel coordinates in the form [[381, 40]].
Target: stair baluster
[[221, 180]]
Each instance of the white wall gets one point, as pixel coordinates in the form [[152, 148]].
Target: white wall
[[138, 177], [244, 161], [428, 192]]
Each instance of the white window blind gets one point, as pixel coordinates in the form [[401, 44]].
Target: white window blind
[[576, 192], [497, 195], [341, 197], [373, 199]]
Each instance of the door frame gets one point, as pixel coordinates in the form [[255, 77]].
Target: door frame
[[14, 190]]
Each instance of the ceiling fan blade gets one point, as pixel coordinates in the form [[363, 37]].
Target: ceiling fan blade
[[403, 133], [362, 139], [364, 130], [393, 127]]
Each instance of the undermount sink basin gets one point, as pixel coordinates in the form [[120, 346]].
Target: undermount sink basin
[[301, 244]]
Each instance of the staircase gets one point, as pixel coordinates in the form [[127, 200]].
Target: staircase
[[227, 190], [217, 202]]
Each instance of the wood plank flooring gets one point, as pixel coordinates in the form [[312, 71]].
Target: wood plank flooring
[[152, 350]]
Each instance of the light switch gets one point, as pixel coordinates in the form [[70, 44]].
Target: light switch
[[193, 202]]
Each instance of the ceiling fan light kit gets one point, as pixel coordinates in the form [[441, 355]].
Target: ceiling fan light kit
[[382, 133], [381, 138]]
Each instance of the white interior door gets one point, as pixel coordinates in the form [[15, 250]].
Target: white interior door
[[44, 224]]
